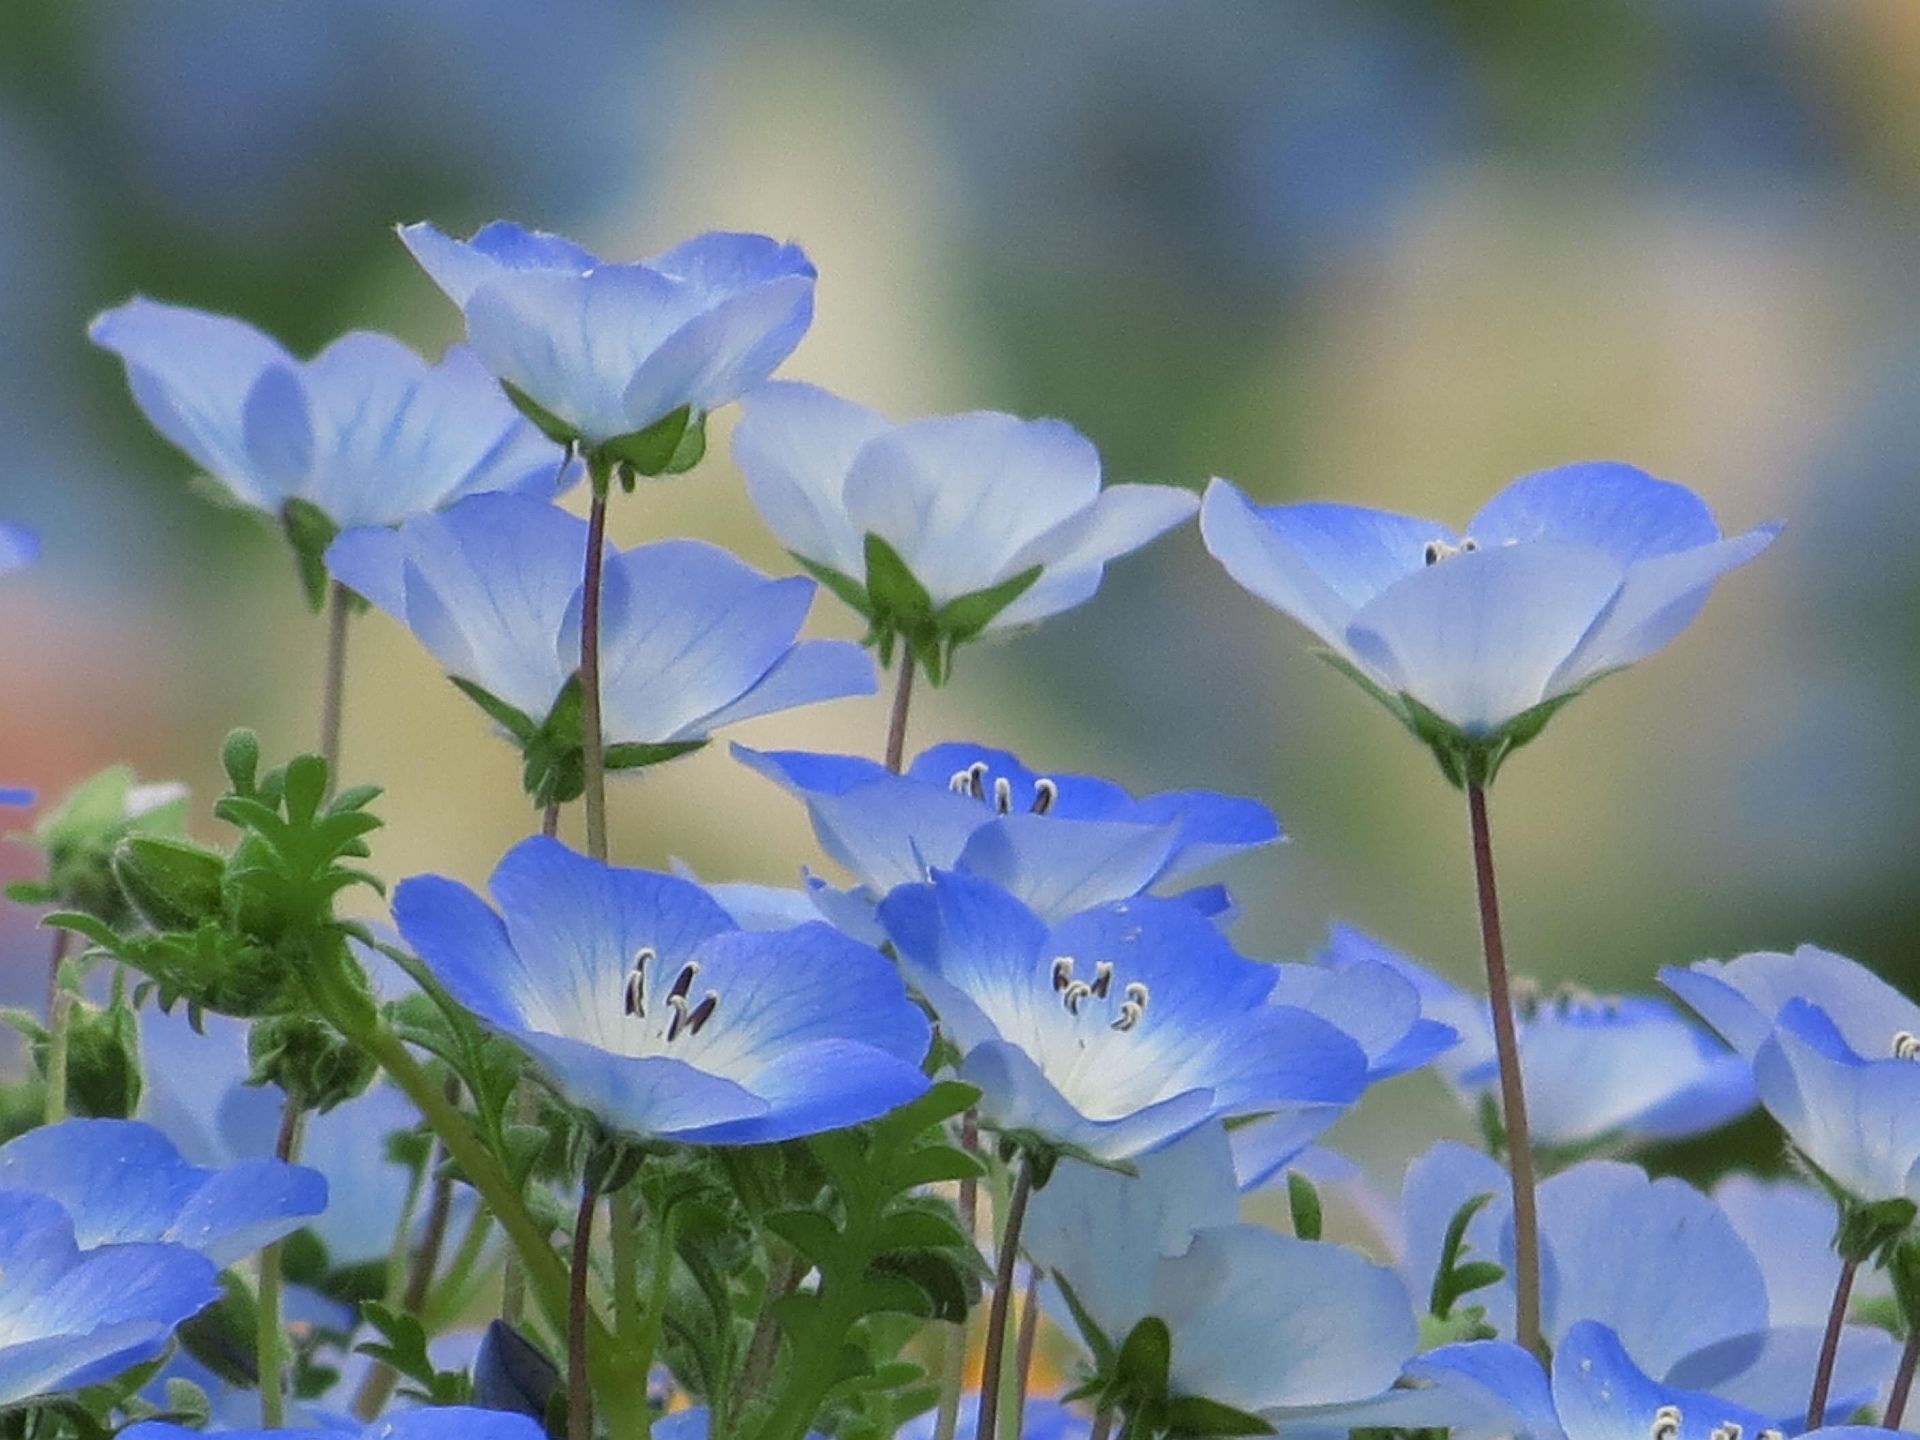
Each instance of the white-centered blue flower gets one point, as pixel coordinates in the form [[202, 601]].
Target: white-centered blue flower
[[613, 349], [691, 639], [1259, 1321], [968, 502], [366, 432], [122, 1181], [71, 1318], [1595, 1066], [1058, 843], [1565, 576], [642, 1002], [437, 1422], [1117, 1030]]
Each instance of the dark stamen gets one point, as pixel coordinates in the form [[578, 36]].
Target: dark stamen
[[1045, 792], [636, 997], [702, 1012]]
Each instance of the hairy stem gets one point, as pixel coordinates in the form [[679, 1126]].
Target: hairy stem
[[550, 819], [62, 942], [1513, 1098], [377, 1388], [1830, 1347], [59, 1044], [592, 742], [897, 723], [988, 1426], [1023, 1349], [1903, 1381], [269, 1341], [333, 689], [579, 1388]]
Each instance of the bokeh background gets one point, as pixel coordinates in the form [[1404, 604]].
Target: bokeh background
[[1384, 251]]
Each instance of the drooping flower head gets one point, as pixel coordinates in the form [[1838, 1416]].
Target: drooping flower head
[[1117, 1030], [642, 1003], [941, 529], [1058, 843], [1473, 638], [71, 1318], [121, 1181], [691, 638], [604, 353], [366, 432]]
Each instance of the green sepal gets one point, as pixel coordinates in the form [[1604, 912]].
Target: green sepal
[[310, 531], [963, 619], [1304, 1203], [899, 600], [633, 756], [650, 452], [1098, 1341], [515, 722], [544, 420], [1189, 1415], [172, 884], [849, 590], [692, 448], [1870, 1228], [309, 1060]]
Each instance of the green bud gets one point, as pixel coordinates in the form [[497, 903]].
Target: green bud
[[173, 884], [103, 1060], [309, 1060], [80, 834]]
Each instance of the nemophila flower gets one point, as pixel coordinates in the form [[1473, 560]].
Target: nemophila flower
[[691, 639], [1058, 843], [1742, 998], [71, 1318], [1043, 1419], [1789, 1227], [436, 1422], [605, 352], [1258, 1321], [1474, 638], [941, 529], [1594, 1066], [1115, 1031], [1655, 1261], [366, 432], [644, 1004], [122, 1181]]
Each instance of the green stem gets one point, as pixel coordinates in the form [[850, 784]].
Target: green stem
[[269, 1340], [653, 1323], [378, 1387], [579, 1388], [622, 1238], [1023, 1349], [953, 1379], [62, 941], [592, 742], [897, 722], [59, 1042], [513, 1279], [988, 1427], [451, 1295], [1513, 1097], [334, 684]]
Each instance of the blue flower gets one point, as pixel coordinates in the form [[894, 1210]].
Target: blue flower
[[121, 1181], [70, 1318], [1120, 1029], [968, 502], [1260, 1321], [1565, 576], [1789, 1227], [691, 638], [644, 1004], [1058, 843], [1043, 1419], [1594, 1066], [1742, 998], [433, 1422], [611, 350], [366, 432]]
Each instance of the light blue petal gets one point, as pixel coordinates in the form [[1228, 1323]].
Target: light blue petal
[[1123, 519], [889, 833], [795, 444], [965, 944], [813, 1088], [1318, 564], [961, 497], [1265, 1148], [1858, 1122], [277, 428], [372, 562], [432, 1422], [465, 945], [1478, 1390], [1602, 1394], [1212, 826], [459, 267], [1478, 637], [191, 374], [725, 263], [1371, 1003], [1769, 1371], [803, 774], [650, 1097], [1789, 1228], [1741, 997], [1016, 1096], [812, 671], [1606, 504], [1058, 868], [725, 350], [1265, 1322], [1077, 797]]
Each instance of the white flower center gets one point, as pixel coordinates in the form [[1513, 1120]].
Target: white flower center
[[662, 1020]]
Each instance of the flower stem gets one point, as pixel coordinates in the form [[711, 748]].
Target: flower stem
[[62, 941], [1102, 1425], [269, 1342], [1023, 1348], [1903, 1381], [1830, 1346], [451, 1296], [550, 819], [953, 1372], [579, 1391], [592, 742], [333, 688], [377, 1388], [897, 723], [988, 1426], [1513, 1098], [59, 1040]]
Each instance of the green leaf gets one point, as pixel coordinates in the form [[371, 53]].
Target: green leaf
[[808, 1232], [1191, 1415], [941, 1102], [514, 722], [649, 451], [920, 1229], [931, 1165], [1142, 1368], [544, 420], [849, 590], [899, 600], [1304, 1201], [963, 619], [1451, 1278], [633, 756]]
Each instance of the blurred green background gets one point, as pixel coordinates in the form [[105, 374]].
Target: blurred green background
[[1383, 251]]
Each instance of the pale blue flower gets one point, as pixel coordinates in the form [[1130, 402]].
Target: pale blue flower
[[121, 1181], [612, 349], [1116, 1031], [1742, 998], [968, 502], [71, 1318], [1565, 576], [366, 432], [642, 1002], [1058, 843], [691, 639], [434, 1422]]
